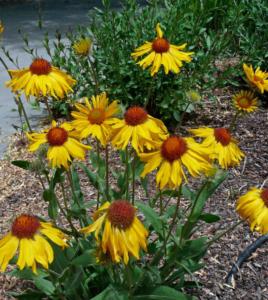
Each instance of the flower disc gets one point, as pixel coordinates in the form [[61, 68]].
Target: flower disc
[[25, 226], [160, 45], [264, 196], [135, 116], [57, 136], [222, 135], [40, 66], [173, 148], [96, 116], [121, 214]]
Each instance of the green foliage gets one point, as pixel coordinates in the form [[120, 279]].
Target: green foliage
[[214, 30]]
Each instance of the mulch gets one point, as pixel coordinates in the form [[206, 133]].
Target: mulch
[[20, 191]]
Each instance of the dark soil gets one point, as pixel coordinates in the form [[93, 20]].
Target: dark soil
[[21, 192]]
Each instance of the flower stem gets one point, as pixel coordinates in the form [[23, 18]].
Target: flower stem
[[107, 172], [233, 122], [48, 109], [98, 163], [133, 178], [127, 173]]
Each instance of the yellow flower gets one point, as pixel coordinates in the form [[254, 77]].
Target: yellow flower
[[41, 79], [139, 128], [62, 144], [95, 118], [161, 52], [171, 156], [122, 232], [245, 101], [223, 147], [253, 206], [29, 235], [82, 47], [257, 79], [1, 27]]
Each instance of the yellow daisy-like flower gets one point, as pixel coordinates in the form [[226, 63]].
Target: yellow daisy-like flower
[[122, 233], [253, 206], [29, 235], [1, 27], [161, 52], [139, 128], [62, 144], [171, 157], [223, 147], [82, 47], [41, 79], [95, 118], [257, 79], [245, 101]]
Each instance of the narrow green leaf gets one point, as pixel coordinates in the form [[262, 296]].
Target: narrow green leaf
[[209, 218], [151, 217], [23, 164], [44, 285]]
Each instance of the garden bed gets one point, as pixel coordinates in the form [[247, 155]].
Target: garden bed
[[21, 192]]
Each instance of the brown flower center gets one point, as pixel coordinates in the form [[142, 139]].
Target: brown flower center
[[173, 148], [25, 226], [264, 196], [121, 214], [258, 79], [244, 102], [135, 115], [57, 136], [96, 116], [160, 45], [40, 66], [222, 135]]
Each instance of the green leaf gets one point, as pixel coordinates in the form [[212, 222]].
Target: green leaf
[[44, 285], [28, 294], [111, 293], [86, 259], [164, 293], [50, 196], [209, 218], [24, 164], [151, 217]]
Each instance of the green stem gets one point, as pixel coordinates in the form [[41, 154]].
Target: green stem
[[48, 109], [107, 172], [183, 115], [68, 218], [17, 97], [133, 178], [161, 202], [95, 77], [216, 238], [98, 163], [127, 173], [233, 122]]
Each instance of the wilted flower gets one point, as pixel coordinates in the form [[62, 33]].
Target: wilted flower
[[82, 47]]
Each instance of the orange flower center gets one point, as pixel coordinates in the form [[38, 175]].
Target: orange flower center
[[222, 135], [160, 45], [264, 196], [96, 116], [25, 226], [57, 136], [121, 214], [244, 102], [40, 66], [135, 116], [173, 148], [258, 79]]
